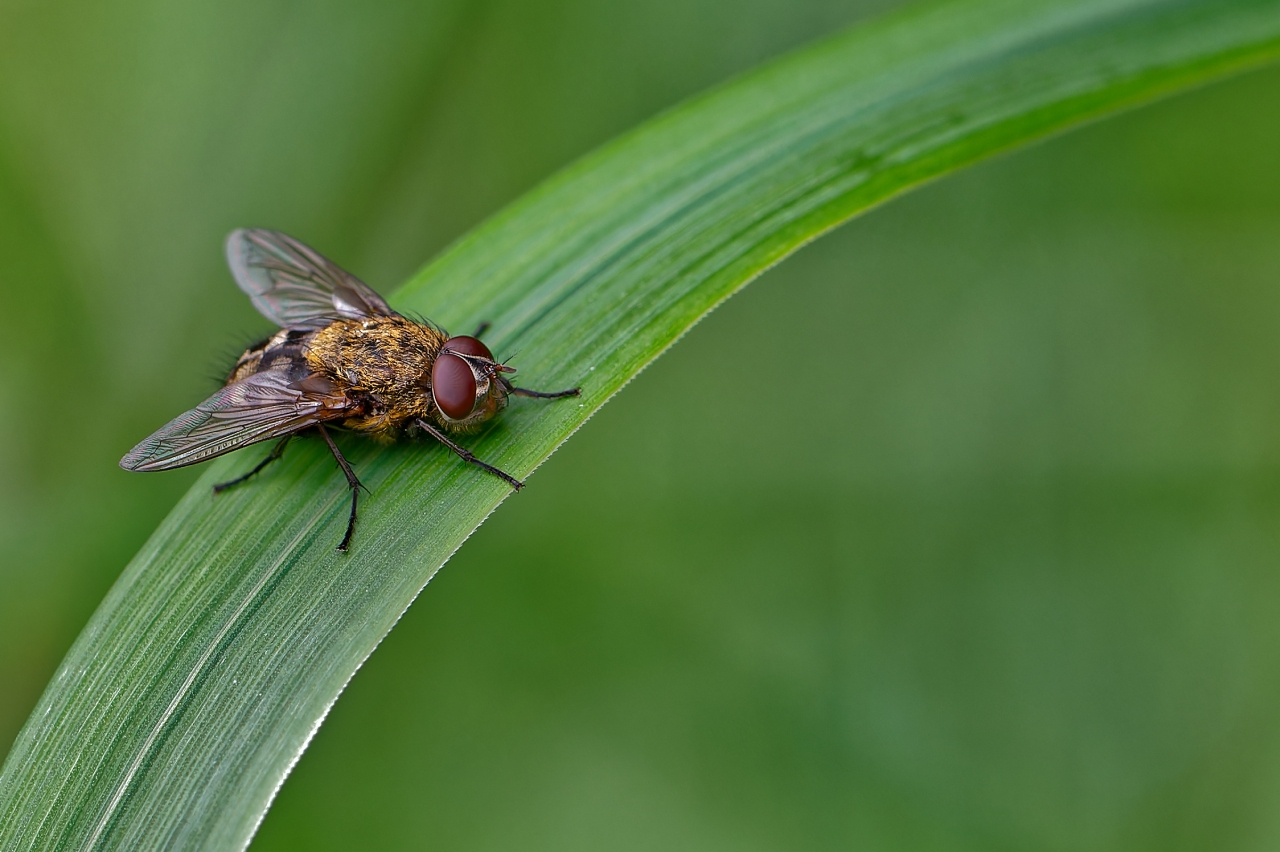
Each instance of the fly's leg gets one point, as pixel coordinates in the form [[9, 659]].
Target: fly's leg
[[538, 394], [352, 482], [466, 455], [481, 329], [545, 394], [276, 452]]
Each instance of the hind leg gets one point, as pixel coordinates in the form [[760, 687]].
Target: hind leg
[[276, 452], [352, 482]]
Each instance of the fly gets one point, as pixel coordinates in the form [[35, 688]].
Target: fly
[[342, 357]]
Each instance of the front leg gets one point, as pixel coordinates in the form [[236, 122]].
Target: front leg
[[538, 394], [546, 394]]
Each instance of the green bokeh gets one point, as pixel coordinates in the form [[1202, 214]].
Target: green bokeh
[[956, 531]]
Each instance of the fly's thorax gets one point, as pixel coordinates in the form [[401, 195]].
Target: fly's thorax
[[382, 363], [375, 353]]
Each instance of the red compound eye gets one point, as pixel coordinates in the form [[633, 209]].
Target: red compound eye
[[467, 345], [454, 387], [452, 383]]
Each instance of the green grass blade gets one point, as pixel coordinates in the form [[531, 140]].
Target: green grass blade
[[213, 660]]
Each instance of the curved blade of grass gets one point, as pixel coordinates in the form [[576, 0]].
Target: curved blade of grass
[[201, 678]]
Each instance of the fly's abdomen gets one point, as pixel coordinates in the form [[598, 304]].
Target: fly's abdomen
[[283, 351]]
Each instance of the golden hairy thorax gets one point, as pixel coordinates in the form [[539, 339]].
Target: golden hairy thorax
[[385, 363]]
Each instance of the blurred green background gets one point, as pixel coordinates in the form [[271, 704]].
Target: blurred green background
[[1011, 582]]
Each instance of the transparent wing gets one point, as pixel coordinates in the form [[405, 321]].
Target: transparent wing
[[295, 286], [256, 408]]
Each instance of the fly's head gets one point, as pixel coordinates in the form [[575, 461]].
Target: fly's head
[[467, 384]]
